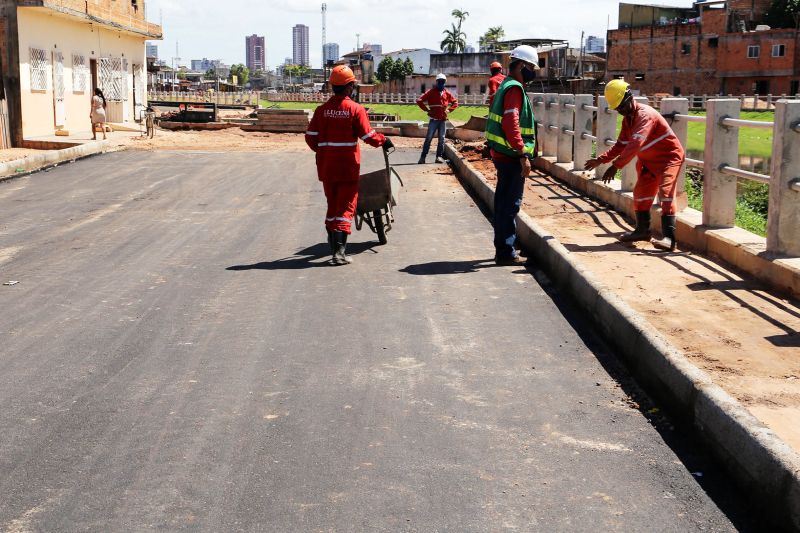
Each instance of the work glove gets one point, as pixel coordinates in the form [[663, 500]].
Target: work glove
[[388, 144]]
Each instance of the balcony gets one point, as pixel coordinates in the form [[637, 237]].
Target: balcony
[[94, 11]]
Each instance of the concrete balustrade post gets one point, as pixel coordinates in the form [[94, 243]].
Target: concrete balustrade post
[[629, 171], [722, 148], [679, 106], [551, 118], [537, 101], [584, 119], [606, 130], [783, 221], [566, 121]]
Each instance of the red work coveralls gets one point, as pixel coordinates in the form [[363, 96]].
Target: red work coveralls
[[333, 134], [647, 135], [437, 103], [494, 83]]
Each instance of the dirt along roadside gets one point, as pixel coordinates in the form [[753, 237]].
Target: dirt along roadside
[[746, 337]]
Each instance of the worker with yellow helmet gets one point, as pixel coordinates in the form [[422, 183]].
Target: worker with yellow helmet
[[645, 134]]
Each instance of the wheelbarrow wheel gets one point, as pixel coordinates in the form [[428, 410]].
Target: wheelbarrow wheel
[[380, 228]]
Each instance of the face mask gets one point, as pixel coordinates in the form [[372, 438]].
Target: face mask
[[528, 75], [354, 93], [440, 85]]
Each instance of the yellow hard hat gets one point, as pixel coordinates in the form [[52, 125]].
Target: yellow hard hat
[[615, 92]]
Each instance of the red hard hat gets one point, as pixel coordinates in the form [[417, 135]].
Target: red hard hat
[[495, 65], [342, 75]]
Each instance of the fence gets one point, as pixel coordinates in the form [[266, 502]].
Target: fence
[[222, 98], [571, 127], [374, 98], [753, 102]]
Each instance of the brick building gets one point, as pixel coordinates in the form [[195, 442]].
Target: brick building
[[712, 47]]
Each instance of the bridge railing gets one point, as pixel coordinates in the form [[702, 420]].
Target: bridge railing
[[572, 127], [408, 98], [223, 98]]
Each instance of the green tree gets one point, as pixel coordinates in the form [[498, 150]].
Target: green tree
[[459, 15], [181, 75], [384, 72], [455, 40], [211, 74], [784, 14], [398, 72], [488, 41], [241, 72], [408, 67]]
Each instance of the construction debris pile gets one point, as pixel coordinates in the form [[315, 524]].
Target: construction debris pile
[[280, 121]]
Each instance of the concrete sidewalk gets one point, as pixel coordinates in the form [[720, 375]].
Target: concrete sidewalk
[[179, 355]]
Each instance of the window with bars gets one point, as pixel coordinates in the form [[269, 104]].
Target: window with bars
[[113, 78], [80, 73], [40, 63]]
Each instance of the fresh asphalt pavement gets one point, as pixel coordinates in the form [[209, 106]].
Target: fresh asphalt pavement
[[178, 355]]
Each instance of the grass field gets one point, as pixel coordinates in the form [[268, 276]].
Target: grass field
[[405, 112], [752, 142]]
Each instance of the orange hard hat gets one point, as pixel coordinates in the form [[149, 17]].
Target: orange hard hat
[[342, 75], [495, 65]]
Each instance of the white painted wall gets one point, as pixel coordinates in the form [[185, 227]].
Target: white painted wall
[[48, 30]]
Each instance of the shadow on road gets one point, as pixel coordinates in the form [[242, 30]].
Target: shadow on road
[[450, 267], [306, 258]]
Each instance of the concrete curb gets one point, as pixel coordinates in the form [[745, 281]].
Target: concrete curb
[[49, 158], [766, 467]]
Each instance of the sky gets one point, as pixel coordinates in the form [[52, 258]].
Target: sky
[[216, 30]]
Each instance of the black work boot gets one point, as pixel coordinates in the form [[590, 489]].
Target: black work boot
[[642, 231], [668, 243], [330, 242], [340, 254]]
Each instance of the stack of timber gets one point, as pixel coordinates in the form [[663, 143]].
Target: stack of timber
[[280, 121]]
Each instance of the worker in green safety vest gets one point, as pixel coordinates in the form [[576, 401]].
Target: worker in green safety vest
[[511, 134]]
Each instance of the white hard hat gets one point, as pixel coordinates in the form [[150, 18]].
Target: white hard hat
[[526, 53], [441, 77]]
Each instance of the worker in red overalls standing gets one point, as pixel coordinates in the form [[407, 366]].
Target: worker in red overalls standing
[[333, 134], [438, 102], [494, 82], [646, 134]]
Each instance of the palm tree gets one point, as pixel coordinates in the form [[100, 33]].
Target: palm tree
[[460, 16], [455, 40], [488, 41]]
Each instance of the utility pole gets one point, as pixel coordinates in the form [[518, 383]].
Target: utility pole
[[358, 41], [324, 35], [580, 59]]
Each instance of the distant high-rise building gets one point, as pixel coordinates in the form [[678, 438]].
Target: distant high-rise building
[[300, 45], [203, 65], [595, 45], [376, 49], [256, 52], [151, 50], [331, 52], [469, 49]]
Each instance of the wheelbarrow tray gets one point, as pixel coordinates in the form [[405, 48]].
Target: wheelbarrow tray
[[377, 190]]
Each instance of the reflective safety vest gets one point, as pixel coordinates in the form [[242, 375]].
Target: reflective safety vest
[[527, 122]]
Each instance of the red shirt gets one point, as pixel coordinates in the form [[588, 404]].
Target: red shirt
[[512, 107], [437, 104], [647, 135], [494, 83], [333, 134]]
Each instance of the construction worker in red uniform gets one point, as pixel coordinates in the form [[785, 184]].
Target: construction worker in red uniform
[[494, 82], [438, 102], [646, 134], [333, 134]]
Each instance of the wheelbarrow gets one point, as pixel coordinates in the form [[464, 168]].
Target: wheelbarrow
[[377, 195]]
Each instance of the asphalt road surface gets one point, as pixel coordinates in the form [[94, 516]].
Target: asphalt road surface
[[177, 355]]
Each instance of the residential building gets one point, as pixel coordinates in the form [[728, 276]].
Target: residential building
[[300, 47], [55, 52], [330, 51], [712, 47], [256, 52], [595, 45], [151, 50]]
